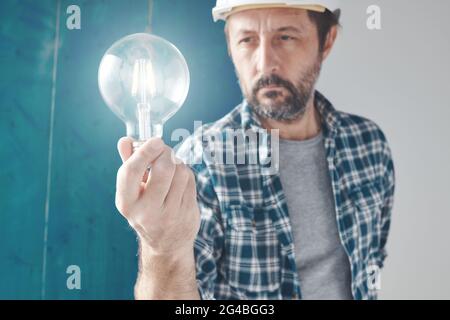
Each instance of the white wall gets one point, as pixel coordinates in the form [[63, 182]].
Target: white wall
[[399, 77]]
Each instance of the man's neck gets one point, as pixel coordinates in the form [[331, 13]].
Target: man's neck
[[306, 127]]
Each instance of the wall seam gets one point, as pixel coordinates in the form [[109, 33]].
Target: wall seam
[[50, 151]]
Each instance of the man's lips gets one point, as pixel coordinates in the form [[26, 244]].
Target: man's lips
[[272, 87]]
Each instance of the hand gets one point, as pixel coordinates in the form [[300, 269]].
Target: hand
[[160, 205]]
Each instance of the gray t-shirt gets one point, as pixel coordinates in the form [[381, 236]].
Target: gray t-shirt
[[322, 263]]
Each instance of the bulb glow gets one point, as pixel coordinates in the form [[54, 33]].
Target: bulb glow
[[144, 80]]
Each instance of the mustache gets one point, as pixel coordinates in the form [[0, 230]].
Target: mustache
[[273, 80]]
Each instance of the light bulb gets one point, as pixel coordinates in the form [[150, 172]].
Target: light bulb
[[144, 80]]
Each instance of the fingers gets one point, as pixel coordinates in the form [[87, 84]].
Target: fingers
[[177, 188], [130, 174], [125, 148], [189, 199], [161, 176]]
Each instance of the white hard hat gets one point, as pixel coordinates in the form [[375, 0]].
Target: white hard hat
[[224, 8]]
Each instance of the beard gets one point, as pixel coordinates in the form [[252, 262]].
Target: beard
[[289, 101]]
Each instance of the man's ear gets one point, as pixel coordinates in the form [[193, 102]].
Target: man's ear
[[329, 42], [227, 37], [229, 53]]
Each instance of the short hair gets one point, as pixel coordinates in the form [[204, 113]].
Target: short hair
[[324, 21]]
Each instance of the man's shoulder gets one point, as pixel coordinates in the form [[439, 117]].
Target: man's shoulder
[[362, 142], [358, 127]]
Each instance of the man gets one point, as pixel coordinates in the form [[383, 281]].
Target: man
[[315, 229]]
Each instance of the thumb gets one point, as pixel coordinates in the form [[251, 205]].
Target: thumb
[[125, 147]]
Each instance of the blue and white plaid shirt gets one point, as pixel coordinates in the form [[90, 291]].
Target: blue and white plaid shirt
[[245, 247]]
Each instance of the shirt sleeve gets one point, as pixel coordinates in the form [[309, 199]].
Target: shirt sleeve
[[208, 246], [386, 213], [208, 250]]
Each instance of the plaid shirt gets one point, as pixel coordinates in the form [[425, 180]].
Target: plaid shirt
[[245, 247]]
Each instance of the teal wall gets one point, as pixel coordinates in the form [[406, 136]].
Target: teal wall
[[58, 152]]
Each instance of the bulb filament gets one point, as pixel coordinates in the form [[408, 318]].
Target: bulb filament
[[143, 90]]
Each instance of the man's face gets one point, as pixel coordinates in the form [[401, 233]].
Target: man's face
[[276, 55]]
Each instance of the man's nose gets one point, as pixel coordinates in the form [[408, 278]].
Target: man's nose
[[267, 59]]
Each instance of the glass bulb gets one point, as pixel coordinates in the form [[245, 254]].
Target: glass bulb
[[144, 80]]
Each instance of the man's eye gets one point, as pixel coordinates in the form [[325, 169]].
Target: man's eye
[[246, 40], [286, 38]]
